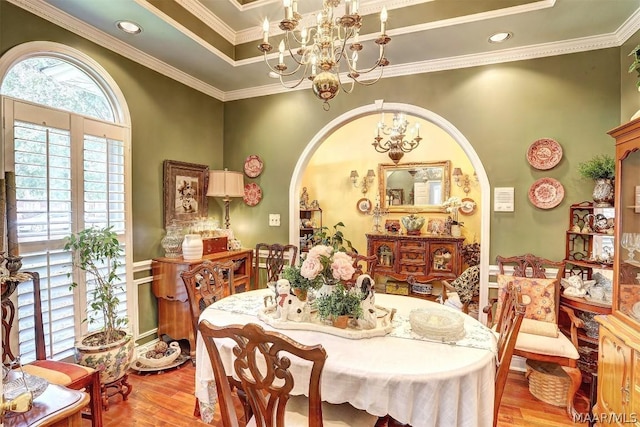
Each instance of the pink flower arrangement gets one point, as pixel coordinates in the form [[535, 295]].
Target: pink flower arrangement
[[321, 261]]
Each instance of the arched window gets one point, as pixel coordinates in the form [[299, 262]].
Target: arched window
[[67, 147]]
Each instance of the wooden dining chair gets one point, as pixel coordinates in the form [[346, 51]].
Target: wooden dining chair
[[363, 264], [70, 375], [272, 258], [507, 328], [207, 283], [262, 362], [539, 337]]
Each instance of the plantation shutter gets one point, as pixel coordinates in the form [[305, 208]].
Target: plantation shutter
[[70, 174]]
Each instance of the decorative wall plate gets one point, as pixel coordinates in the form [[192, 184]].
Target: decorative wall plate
[[468, 206], [544, 154], [252, 194], [546, 193], [364, 205], [253, 166]]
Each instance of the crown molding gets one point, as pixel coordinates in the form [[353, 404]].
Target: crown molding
[[204, 14], [54, 15], [255, 33], [463, 61]]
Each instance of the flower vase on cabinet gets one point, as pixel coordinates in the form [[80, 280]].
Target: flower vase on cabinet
[[192, 247], [455, 230]]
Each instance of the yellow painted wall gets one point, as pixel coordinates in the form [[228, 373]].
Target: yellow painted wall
[[327, 175]]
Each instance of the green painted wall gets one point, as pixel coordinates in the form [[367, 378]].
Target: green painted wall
[[169, 120], [501, 109]]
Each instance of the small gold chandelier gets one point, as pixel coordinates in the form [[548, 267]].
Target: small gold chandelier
[[319, 51], [396, 145]]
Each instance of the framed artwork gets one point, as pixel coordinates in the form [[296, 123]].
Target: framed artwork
[[364, 205], [185, 189], [396, 196]]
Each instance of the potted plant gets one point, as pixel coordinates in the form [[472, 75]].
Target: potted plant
[[339, 305], [97, 252], [299, 284], [335, 240], [601, 169]]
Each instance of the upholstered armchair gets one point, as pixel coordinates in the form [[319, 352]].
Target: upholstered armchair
[[540, 337]]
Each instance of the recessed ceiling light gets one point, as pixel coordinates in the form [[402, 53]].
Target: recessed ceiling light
[[500, 37], [129, 27]]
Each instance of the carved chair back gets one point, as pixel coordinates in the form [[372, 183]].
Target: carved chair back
[[207, 283], [261, 363], [363, 264], [532, 266], [275, 257]]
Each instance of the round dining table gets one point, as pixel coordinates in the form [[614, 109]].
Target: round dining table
[[416, 381]]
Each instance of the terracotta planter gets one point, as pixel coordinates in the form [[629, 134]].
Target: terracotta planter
[[300, 293], [112, 360], [340, 321]]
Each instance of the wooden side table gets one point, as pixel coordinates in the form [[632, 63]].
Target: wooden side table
[[57, 407]]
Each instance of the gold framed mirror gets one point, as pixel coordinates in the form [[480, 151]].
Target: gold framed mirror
[[414, 187]]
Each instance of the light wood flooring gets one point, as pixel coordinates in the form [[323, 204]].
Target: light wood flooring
[[166, 399]]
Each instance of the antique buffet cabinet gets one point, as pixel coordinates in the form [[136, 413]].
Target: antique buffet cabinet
[[619, 346]]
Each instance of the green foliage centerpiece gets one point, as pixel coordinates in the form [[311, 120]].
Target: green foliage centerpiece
[[341, 303]]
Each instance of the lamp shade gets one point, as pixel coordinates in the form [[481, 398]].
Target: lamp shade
[[225, 183]]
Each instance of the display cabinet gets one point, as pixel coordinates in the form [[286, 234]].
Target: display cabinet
[[310, 222], [416, 259], [619, 345]]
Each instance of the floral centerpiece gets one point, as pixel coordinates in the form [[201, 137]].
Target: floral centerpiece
[[453, 205], [327, 265], [300, 284]]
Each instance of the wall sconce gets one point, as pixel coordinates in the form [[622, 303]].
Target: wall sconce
[[366, 180], [463, 180], [225, 184]]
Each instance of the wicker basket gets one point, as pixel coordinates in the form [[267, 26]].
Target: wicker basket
[[548, 382]]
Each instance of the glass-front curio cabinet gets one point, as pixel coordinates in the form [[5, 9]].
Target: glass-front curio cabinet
[[619, 344]]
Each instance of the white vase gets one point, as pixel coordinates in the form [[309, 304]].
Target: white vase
[[192, 247], [455, 230]]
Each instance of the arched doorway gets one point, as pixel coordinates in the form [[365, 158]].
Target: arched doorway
[[428, 116]]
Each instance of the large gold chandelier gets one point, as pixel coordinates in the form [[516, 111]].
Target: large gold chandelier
[[318, 51], [396, 145]]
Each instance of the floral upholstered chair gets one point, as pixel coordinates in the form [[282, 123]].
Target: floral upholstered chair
[[539, 337]]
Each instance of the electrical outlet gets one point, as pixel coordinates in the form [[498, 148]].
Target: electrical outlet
[[274, 220]]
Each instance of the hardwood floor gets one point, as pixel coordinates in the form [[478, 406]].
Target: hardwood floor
[[166, 399]]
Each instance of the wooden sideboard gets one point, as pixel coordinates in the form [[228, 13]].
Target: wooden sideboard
[[174, 316], [420, 259]]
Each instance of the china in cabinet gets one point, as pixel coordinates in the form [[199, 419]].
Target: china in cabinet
[[619, 345]]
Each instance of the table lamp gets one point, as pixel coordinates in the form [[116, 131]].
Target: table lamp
[[225, 184]]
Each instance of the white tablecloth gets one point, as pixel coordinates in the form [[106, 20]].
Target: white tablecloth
[[418, 382]]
